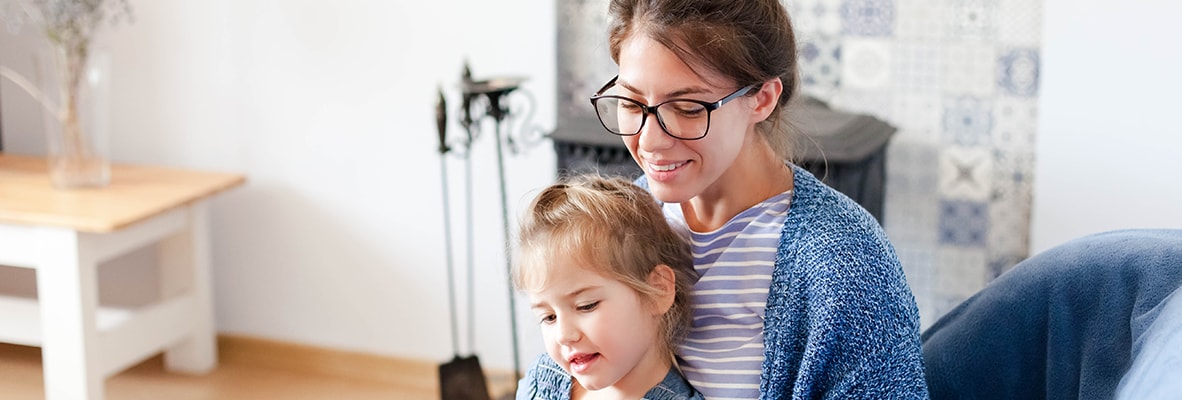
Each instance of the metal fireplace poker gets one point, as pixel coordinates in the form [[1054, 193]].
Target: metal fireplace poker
[[462, 378], [459, 381]]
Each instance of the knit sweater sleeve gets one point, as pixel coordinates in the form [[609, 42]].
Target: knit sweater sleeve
[[842, 322]]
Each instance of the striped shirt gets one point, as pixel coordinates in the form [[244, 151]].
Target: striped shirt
[[722, 355]]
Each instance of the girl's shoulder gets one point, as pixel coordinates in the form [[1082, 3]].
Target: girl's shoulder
[[544, 380], [673, 387]]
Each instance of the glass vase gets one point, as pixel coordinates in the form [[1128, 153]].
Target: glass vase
[[76, 133]]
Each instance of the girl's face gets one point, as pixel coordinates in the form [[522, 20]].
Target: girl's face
[[679, 170], [600, 331]]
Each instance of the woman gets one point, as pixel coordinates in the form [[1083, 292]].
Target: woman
[[800, 293]]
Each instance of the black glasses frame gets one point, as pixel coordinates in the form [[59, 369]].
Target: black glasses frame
[[647, 109]]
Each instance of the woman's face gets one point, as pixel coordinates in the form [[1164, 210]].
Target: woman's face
[[679, 170]]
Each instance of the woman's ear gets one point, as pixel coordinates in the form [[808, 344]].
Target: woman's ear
[[664, 281], [766, 99]]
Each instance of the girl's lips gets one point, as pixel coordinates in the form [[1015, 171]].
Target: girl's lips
[[579, 363]]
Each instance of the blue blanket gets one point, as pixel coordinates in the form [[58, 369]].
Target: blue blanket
[[1157, 355], [1058, 325]]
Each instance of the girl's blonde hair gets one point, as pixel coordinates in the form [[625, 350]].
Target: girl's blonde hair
[[613, 227]]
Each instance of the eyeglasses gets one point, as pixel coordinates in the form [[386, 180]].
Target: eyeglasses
[[684, 119]]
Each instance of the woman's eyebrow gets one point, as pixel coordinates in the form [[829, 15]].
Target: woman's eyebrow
[[670, 95]]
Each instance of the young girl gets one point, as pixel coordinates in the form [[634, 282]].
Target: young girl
[[800, 293], [608, 280]]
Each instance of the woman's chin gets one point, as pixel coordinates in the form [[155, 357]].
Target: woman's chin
[[667, 193]]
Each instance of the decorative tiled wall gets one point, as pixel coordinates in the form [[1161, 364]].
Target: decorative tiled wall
[[960, 80]]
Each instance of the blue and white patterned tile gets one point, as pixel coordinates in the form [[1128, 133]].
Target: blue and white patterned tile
[[868, 17], [917, 67], [974, 20], [966, 173], [1013, 170], [968, 121], [969, 68], [912, 167], [1018, 72], [1015, 122], [820, 63], [939, 305], [911, 207], [866, 63], [1000, 263], [914, 220], [964, 223], [1020, 22], [918, 117], [961, 271], [920, 19], [1007, 249], [821, 17], [1010, 230], [872, 102], [919, 265], [1010, 205]]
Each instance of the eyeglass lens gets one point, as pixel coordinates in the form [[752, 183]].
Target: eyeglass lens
[[682, 119]]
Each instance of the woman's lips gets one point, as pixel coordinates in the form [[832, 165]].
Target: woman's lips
[[666, 167], [665, 171]]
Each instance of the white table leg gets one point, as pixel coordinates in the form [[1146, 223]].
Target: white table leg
[[184, 268], [68, 295]]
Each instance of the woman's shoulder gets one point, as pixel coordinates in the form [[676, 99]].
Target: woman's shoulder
[[827, 236], [823, 218], [814, 200]]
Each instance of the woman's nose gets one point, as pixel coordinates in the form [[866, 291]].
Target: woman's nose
[[652, 136]]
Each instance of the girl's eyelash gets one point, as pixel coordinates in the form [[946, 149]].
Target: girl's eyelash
[[550, 318]]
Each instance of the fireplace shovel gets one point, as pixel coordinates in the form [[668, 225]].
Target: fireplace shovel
[[461, 378]]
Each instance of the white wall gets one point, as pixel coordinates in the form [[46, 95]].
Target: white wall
[[1109, 149], [328, 108]]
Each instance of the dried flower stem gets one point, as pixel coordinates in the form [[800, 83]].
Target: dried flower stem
[[29, 88]]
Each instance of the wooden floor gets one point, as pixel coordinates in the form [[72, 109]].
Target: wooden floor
[[253, 369]]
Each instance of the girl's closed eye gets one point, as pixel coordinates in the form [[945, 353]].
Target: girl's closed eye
[[588, 307]]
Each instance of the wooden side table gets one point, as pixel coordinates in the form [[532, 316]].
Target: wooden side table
[[65, 234]]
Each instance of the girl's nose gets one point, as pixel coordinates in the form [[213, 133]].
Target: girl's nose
[[568, 332]]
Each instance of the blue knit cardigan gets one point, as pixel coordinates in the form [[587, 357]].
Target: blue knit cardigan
[[840, 321]]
